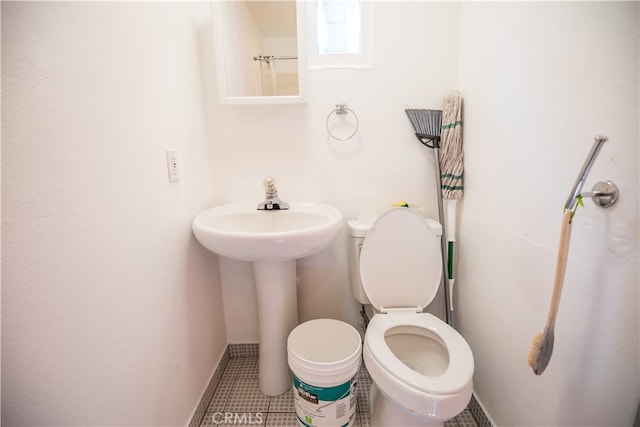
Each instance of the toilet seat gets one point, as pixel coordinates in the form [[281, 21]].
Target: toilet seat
[[459, 371]]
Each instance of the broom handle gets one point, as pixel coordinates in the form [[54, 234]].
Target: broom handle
[[561, 267], [443, 238]]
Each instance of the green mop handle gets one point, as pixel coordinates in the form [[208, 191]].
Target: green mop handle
[[451, 233], [450, 251]]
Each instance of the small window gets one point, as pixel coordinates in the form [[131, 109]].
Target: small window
[[338, 24], [339, 34]]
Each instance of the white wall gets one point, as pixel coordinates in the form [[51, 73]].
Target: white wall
[[415, 66], [539, 81], [111, 310]]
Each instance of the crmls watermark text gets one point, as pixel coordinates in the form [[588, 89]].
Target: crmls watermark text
[[238, 418]]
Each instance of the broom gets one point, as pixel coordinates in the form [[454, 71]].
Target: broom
[[428, 127]]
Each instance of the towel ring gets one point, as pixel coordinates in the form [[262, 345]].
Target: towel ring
[[339, 110]]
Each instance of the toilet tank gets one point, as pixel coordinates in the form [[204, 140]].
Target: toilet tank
[[357, 232]]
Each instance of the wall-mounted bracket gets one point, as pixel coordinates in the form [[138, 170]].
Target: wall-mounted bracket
[[341, 108], [604, 193]]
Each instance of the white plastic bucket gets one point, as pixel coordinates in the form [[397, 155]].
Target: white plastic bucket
[[324, 357]]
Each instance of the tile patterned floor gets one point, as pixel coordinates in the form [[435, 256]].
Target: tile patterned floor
[[238, 395]]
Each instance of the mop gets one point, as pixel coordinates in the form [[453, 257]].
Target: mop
[[451, 167]]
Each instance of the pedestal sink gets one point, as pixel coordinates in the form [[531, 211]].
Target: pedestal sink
[[271, 241]]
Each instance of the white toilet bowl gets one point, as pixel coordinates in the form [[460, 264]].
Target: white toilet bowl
[[421, 367], [421, 364]]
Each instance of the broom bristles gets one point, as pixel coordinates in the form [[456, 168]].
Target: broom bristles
[[426, 123]]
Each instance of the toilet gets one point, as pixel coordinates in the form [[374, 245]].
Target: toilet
[[420, 366]]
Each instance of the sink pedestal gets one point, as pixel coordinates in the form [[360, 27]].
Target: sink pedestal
[[277, 316], [272, 241]]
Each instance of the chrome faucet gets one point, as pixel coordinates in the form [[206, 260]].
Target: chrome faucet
[[271, 202]]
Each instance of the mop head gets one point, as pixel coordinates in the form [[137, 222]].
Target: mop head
[[451, 155]]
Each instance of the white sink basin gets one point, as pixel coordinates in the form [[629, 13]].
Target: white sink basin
[[242, 232], [271, 241]]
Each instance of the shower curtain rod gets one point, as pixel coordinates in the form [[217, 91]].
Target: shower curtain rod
[[268, 58]]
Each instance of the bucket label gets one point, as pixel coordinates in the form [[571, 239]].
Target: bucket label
[[325, 406]]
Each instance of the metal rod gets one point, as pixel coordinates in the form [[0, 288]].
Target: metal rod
[[271, 57], [582, 176], [443, 238]]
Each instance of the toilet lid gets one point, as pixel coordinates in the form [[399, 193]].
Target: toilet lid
[[400, 261]]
